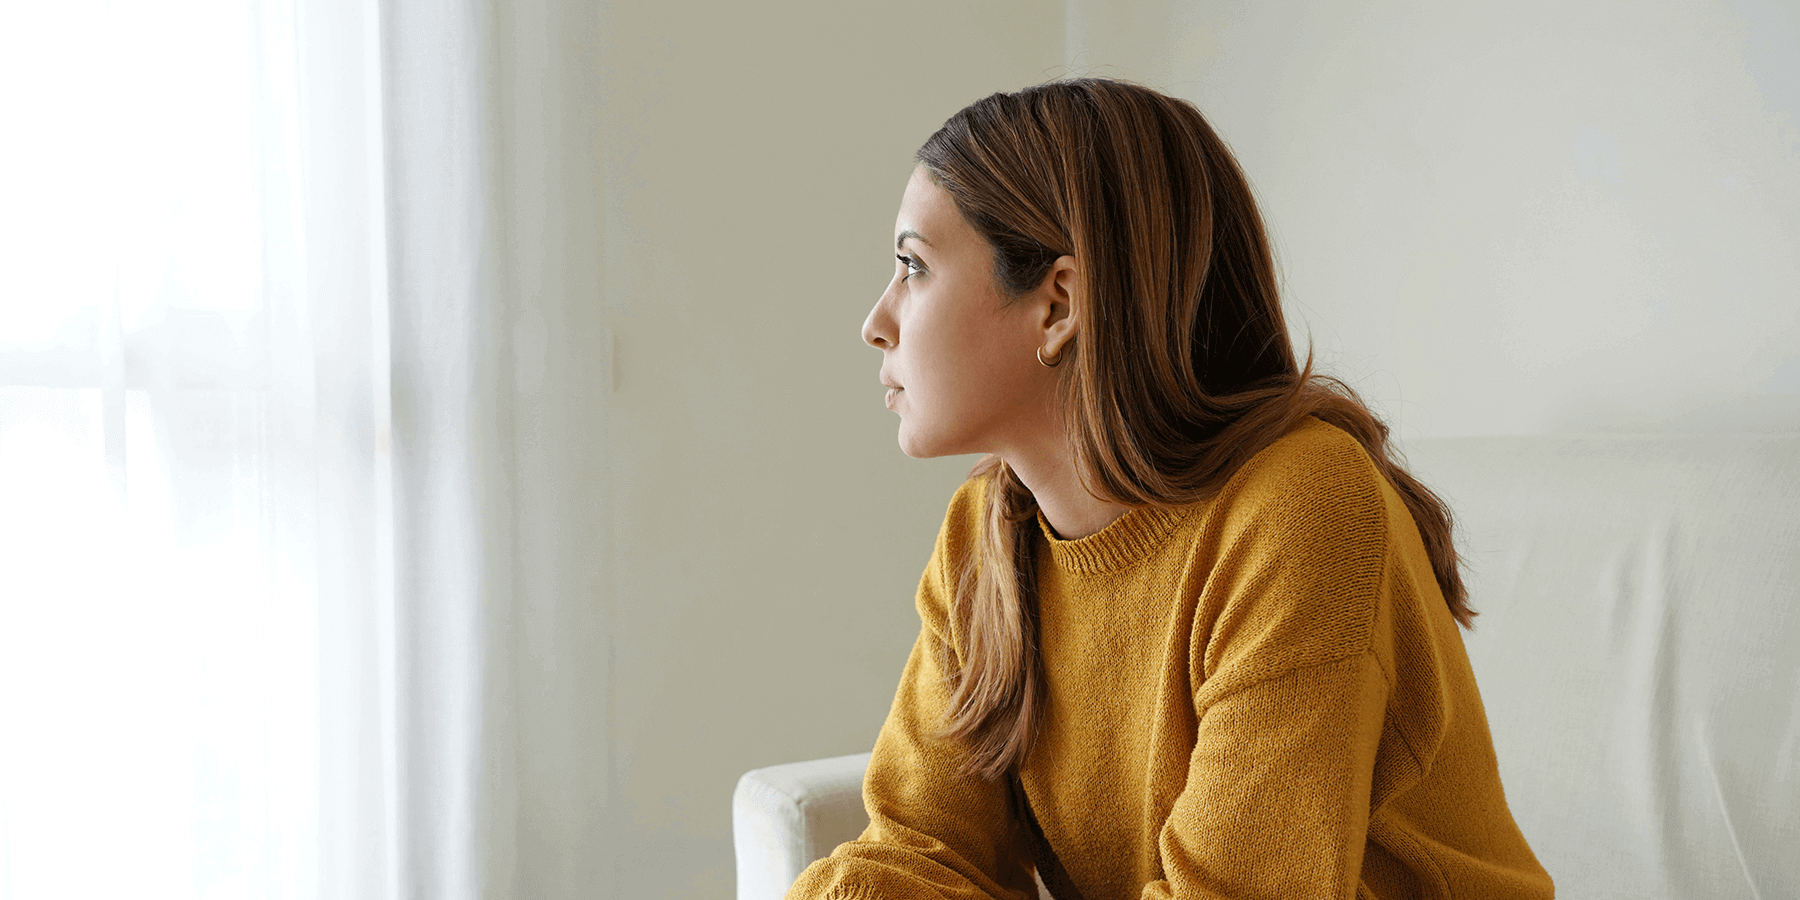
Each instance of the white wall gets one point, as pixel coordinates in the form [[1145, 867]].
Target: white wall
[[1508, 218], [718, 551]]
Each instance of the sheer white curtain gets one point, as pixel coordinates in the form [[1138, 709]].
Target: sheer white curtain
[[253, 467]]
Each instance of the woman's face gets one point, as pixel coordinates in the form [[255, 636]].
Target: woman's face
[[959, 360]]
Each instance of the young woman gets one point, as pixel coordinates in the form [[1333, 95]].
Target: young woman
[[1189, 629]]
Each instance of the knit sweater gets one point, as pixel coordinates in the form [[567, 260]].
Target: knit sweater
[[1262, 695]]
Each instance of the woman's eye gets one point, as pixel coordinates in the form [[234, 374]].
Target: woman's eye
[[912, 266]]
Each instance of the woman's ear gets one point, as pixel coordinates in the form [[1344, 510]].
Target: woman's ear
[[1060, 296]]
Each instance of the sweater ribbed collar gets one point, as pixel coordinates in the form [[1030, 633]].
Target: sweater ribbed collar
[[1128, 539]]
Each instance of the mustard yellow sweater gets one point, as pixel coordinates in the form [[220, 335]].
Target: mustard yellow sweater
[[1259, 696]]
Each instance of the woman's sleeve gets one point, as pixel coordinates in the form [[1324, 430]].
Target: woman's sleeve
[[932, 831], [1294, 736]]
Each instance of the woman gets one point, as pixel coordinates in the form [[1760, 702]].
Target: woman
[[1189, 630]]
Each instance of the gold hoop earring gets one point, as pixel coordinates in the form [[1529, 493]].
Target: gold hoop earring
[[1047, 365]]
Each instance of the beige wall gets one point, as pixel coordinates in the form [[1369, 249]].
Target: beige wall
[[1567, 217], [1510, 218]]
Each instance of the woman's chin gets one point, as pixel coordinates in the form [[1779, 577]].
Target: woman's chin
[[913, 444], [920, 446]]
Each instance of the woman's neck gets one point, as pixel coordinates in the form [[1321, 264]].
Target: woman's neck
[[1072, 512]]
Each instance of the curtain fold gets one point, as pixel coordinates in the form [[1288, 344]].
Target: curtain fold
[[255, 456], [452, 455]]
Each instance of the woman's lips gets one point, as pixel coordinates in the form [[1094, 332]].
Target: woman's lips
[[891, 394]]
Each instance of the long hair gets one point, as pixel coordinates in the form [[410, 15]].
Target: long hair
[[1182, 370]]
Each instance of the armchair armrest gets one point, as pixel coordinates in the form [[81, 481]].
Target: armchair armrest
[[784, 817]]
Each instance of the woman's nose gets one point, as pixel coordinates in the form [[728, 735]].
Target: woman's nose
[[878, 328]]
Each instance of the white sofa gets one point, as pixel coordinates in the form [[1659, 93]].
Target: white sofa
[[1638, 651]]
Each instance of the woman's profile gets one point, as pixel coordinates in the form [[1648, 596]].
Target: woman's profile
[[1189, 629]]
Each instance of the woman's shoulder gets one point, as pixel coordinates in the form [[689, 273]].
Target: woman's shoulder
[[1315, 486], [1316, 467], [1314, 446]]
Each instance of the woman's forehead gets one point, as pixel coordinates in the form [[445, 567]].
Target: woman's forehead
[[928, 214]]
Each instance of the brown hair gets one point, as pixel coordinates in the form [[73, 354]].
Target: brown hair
[[1182, 369]]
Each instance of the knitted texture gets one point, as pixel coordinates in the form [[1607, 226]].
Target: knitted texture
[[1259, 696]]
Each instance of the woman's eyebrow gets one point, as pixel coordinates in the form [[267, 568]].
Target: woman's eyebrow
[[909, 233]]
